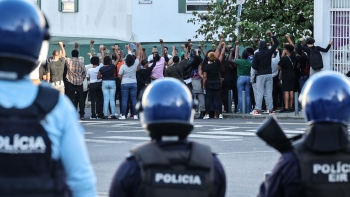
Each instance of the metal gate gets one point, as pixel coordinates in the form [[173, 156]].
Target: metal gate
[[340, 34]]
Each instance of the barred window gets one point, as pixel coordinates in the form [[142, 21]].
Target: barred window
[[340, 34]]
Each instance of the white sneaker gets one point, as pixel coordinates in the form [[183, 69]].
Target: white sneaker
[[122, 117], [220, 116], [206, 116], [128, 115], [136, 117]]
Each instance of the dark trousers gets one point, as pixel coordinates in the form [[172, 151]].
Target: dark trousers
[[96, 99], [190, 87], [210, 94], [224, 97], [275, 91], [79, 98]]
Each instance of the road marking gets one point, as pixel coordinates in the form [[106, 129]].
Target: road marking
[[104, 141], [211, 136], [88, 133], [226, 128], [231, 140], [252, 152], [127, 131], [127, 138], [228, 133]]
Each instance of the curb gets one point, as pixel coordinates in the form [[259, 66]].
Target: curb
[[247, 116]]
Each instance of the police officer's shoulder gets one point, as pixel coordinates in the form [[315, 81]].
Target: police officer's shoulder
[[130, 156]]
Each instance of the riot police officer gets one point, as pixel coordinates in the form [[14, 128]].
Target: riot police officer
[[42, 150], [169, 165], [319, 163]]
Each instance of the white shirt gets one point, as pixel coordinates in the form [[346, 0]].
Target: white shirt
[[85, 82], [274, 64], [150, 57], [92, 74]]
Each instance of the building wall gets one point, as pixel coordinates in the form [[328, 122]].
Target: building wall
[[95, 19], [161, 19]]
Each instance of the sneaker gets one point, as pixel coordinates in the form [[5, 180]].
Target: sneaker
[[206, 116], [110, 116], [136, 117], [104, 117], [122, 117], [291, 110], [284, 111], [131, 116], [93, 118], [271, 112], [255, 112], [113, 117], [220, 116], [128, 116], [82, 117]]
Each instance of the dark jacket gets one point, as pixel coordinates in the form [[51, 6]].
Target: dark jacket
[[262, 59], [176, 70]]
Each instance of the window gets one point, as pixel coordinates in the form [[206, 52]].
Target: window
[[68, 5], [37, 2], [340, 34], [188, 6], [197, 5]]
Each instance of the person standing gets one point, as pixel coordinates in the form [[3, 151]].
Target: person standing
[[127, 74], [76, 74], [95, 89], [318, 163], [43, 152], [166, 112], [262, 65], [212, 80], [286, 66], [106, 73], [55, 69]]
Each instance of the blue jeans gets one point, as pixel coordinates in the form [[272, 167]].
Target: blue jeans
[[108, 89], [302, 81], [243, 84], [129, 89]]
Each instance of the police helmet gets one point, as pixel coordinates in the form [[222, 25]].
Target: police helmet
[[24, 34], [166, 108], [326, 98]]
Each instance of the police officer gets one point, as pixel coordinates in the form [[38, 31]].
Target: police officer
[[319, 163], [42, 150], [169, 165]]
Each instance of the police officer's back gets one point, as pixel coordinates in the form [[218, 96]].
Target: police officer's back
[[318, 165], [169, 165], [42, 150]]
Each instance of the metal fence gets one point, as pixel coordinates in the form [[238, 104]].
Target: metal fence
[[340, 34]]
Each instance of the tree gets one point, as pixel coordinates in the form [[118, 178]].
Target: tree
[[257, 16]]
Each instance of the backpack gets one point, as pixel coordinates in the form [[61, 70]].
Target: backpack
[[315, 59], [306, 68]]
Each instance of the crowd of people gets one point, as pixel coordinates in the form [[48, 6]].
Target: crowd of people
[[267, 75]]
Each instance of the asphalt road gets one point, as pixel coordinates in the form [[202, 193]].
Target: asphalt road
[[244, 156]]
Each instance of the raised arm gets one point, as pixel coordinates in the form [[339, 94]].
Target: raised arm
[[62, 49], [174, 54], [144, 55], [139, 51], [289, 40], [237, 50], [230, 57], [162, 46], [203, 52], [185, 52], [117, 56], [222, 54], [217, 52], [326, 49], [102, 52]]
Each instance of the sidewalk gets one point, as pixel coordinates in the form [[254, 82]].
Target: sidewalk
[[290, 116]]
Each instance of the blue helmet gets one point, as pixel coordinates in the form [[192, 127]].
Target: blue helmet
[[24, 34], [167, 109], [326, 98]]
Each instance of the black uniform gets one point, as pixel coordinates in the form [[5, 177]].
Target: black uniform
[[155, 177]]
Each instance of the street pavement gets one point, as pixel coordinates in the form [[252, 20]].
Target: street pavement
[[244, 156]]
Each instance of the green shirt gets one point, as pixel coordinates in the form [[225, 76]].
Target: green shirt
[[243, 67]]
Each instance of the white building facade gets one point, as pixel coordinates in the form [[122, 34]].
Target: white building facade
[[332, 22], [124, 20]]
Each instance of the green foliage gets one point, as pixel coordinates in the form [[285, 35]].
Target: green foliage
[[257, 16]]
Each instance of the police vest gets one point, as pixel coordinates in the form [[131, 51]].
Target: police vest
[[175, 173], [26, 167], [324, 175]]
